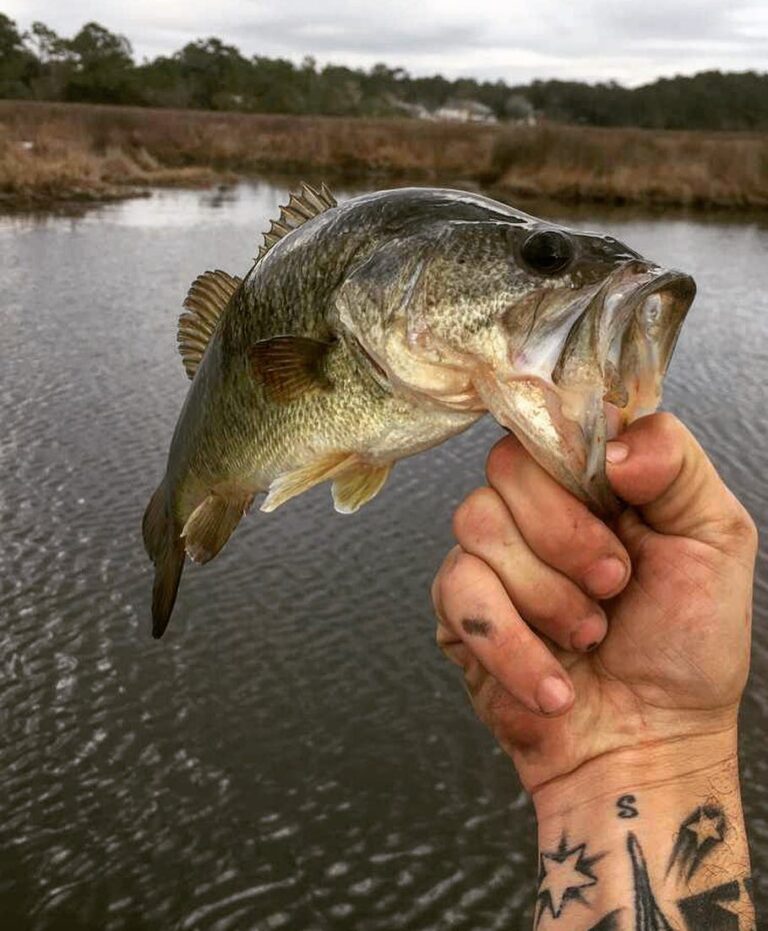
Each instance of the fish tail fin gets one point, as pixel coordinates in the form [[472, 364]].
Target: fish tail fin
[[166, 550]]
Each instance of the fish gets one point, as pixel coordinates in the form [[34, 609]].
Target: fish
[[376, 328]]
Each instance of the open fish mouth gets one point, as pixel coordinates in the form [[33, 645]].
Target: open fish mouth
[[612, 347]]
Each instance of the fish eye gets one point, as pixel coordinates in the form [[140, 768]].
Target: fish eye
[[547, 251]]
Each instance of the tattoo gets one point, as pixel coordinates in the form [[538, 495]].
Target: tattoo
[[627, 807], [563, 875], [700, 833], [477, 627], [729, 907], [609, 923], [648, 915]]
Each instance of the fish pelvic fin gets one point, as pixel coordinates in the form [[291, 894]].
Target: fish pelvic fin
[[290, 484], [211, 524], [355, 487], [305, 205], [207, 297], [166, 550]]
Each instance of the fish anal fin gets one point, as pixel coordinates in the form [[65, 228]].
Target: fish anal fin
[[357, 485], [308, 203], [207, 297], [212, 522], [290, 484], [289, 366]]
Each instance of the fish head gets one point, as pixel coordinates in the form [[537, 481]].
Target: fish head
[[564, 336]]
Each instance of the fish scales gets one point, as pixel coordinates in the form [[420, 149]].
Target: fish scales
[[374, 329]]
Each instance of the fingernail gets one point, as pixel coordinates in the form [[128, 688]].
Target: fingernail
[[554, 694], [605, 576], [589, 633], [616, 452]]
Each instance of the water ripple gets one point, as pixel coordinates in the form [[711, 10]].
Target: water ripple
[[295, 754]]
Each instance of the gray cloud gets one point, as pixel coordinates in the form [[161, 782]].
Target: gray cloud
[[626, 40]]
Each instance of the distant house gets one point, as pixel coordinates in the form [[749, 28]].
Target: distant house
[[416, 110], [465, 111], [519, 111]]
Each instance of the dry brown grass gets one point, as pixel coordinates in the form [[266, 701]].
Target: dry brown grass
[[54, 152], [634, 166]]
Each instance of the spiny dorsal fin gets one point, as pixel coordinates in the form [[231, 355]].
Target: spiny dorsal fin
[[300, 208], [289, 366], [208, 295], [356, 486]]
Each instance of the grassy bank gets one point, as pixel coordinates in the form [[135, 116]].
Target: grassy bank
[[61, 152]]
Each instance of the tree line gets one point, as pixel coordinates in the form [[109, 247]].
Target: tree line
[[97, 66]]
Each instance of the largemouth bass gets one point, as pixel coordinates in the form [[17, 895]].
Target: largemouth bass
[[373, 329]]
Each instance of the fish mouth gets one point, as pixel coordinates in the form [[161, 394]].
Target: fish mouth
[[611, 349]]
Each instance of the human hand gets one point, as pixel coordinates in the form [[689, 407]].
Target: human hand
[[579, 640]]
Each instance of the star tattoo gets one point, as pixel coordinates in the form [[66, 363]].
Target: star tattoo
[[563, 875], [706, 827], [702, 831]]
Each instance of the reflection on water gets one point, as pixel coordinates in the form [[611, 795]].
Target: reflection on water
[[295, 753]]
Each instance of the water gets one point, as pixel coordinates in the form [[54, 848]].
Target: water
[[295, 753]]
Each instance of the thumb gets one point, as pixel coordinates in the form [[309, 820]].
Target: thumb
[[657, 466]]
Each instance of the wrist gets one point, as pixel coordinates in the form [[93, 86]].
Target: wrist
[[663, 768], [654, 833]]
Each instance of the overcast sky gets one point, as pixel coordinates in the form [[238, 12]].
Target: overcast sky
[[631, 41]]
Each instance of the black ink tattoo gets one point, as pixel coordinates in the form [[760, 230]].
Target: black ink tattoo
[[700, 833], [563, 875], [627, 806], [648, 915], [729, 907], [609, 923], [477, 627]]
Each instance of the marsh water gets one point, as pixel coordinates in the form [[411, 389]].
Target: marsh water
[[295, 753]]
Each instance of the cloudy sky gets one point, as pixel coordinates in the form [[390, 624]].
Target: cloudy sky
[[631, 41]]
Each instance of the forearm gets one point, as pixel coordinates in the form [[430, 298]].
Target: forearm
[[651, 839]]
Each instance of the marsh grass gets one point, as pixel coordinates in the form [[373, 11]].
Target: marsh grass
[[52, 152], [617, 166]]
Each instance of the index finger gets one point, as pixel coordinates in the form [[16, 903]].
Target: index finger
[[558, 527]]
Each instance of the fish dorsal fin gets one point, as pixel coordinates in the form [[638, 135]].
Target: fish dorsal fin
[[301, 207], [208, 295], [357, 485]]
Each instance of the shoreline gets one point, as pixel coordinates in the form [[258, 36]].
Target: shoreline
[[56, 155]]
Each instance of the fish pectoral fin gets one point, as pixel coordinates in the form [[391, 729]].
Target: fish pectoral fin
[[293, 483], [211, 524], [208, 295], [356, 486], [289, 366]]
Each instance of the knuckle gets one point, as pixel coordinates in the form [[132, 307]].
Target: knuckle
[[437, 582], [500, 459], [667, 425], [461, 574], [740, 527], [665, 431], [583, 536], [477, 515]]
